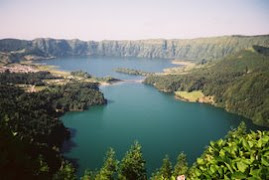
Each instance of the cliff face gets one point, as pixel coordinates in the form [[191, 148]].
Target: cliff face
[[188, 49], [192, 49]]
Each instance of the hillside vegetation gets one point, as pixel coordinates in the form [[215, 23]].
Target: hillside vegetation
[[239, 83], [189, 96], [187, 49], [31, 133], [134, 72], [238, 156]]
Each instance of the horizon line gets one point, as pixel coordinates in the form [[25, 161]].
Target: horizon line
[[72, 39]]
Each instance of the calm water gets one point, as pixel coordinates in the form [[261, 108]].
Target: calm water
[[135, 111], [105, 66]]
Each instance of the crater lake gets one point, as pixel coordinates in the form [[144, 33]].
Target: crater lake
[[161, 124]]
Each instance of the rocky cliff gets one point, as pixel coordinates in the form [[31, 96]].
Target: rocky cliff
[[185, 49]]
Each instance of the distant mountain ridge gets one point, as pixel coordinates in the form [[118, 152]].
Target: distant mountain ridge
[[186, 49]]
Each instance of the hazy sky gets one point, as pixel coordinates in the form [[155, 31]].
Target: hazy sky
[[131, 19]]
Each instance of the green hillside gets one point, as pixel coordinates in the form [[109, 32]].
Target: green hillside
[[31, 133], [239, 83]]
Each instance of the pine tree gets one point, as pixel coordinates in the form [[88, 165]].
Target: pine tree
[[165, 172], [166, 169], [107, 172], [89, 175], [181, 167], [66, 172], [132, 165]]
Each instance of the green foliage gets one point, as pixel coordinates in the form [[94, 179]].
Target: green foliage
[[107, 79], [31, 116], [74, 96], [81, 73], [31, 132], [132, 166], [181, 166], [133, 72], [25, 78], [166, 169], [89, 175], [15, 161], [66, 172], [237, 157], [241, 130], [107, 172], [44, 168], [239, 83], [165, 172]]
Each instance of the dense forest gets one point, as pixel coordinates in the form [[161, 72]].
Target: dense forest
[[239, 83], [31, 132], [74, 96], [30, 78]]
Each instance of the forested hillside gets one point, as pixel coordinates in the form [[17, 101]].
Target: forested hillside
[[31, 133], [239, 83], [186, 49]]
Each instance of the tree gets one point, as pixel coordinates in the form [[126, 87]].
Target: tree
[[165, 172], [89, 175], [107, 172], [239, 131], [166, 169], [66, 172], [181, 167], [15, 161], [132, 165]]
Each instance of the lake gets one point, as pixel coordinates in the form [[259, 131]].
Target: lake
[[105, 66], [162, 124]]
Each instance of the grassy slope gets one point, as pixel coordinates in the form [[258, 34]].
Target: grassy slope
[[189, 96], [239, 83]]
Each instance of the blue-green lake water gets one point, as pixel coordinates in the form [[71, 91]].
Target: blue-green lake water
[[162, 124]]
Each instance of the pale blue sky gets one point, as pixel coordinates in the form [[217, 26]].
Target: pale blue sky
[[132, 19]]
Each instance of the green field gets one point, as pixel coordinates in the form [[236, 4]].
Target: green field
[[189, 96]]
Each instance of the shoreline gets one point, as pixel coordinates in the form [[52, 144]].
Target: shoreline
[[32, 66], [182, 67], [182, 62], [104, 84], [202, 100], [67, 74]]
